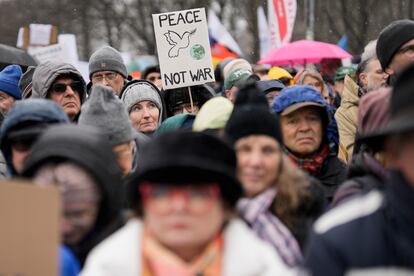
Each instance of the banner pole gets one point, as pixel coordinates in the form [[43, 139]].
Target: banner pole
[[191, 99]]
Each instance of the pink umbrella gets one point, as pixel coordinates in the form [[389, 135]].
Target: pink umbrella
[[302, 52]]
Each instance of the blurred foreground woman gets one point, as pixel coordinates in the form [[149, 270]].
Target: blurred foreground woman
[[184, 199]]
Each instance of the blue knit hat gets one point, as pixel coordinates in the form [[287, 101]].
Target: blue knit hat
[[9, 81]]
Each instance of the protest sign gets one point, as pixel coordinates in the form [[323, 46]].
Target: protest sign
[[29, 232], [183, 48]]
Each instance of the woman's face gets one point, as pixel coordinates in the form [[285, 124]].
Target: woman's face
[[80, 196], [258, 163], [309, 80], [302, 130], [183, 218], [144, 116]]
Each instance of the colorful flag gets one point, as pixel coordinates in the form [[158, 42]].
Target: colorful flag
[[281, 16], [220, 33]]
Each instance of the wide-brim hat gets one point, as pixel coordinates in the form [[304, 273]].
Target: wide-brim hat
[[184, 157], [401, 112]]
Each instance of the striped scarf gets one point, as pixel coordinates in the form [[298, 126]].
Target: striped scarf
[[256, 212]]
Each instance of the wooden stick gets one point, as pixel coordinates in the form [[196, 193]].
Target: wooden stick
[[191, 99]]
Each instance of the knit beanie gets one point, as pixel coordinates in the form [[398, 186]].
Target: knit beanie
[[107, 59], [9, 81], [392, 38], [251, 116], [104, 110], [140, 90]]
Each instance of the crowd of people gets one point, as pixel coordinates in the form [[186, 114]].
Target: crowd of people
[[268, 171]]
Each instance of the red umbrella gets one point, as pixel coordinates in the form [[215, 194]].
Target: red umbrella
[[302, 52]]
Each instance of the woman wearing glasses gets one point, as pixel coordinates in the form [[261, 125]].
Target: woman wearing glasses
[[184, 199]]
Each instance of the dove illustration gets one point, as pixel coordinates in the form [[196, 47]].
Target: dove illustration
[[178, 42]]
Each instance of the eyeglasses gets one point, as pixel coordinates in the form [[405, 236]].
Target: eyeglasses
[[108, 76], [154, 78], [162, 198], [185, 108], [61, 87]]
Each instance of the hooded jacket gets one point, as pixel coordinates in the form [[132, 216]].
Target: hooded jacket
[[46, 73], [333, 171], [37, 111], [87, 147], [347, 117]]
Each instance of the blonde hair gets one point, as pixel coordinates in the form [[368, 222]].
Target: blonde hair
[[292, 190]]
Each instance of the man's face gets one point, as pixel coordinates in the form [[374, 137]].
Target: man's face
[[6, 101], [373, 77], [109, 78], [155, 78], [66, 92], [402, 59], [302, 130]]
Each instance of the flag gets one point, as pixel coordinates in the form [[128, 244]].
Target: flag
[[281, 16], [220, 34], [343, 42], [263, 31]]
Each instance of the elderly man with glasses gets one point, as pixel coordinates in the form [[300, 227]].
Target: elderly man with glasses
[[107, 67], [62, 83]]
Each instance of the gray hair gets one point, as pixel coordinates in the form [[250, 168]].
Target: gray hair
[[370, 52]]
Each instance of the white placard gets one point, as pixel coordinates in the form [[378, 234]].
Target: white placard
[[183, 48], [48, 53], [40, 34], [19, 43]]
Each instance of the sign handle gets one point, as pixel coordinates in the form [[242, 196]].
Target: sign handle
[[191, 99]]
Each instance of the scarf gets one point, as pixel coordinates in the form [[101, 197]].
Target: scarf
[[159, 261], [256, 212], [312, 164]]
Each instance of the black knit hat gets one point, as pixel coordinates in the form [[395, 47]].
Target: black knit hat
[[183, 157], [177, 96], [251, 116], [392, 38]]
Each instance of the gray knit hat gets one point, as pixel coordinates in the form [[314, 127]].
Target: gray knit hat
[[104, 110], [107, 59], [140, 90]]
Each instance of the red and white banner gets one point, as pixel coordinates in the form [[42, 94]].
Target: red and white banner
[[281, 15]]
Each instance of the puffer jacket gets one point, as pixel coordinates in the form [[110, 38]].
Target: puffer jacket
[[46, 73], [347, 116], [333, 171]]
